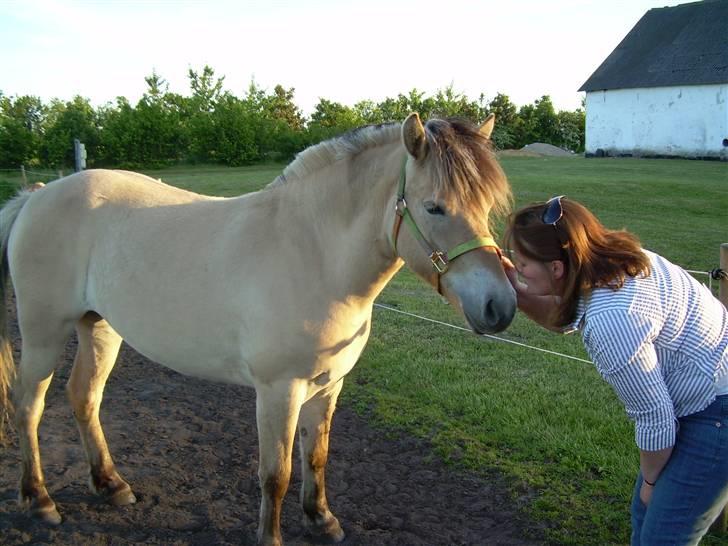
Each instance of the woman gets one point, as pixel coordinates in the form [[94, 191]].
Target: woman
[[656, 335]]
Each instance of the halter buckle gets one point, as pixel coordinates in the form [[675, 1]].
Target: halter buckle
[[401, 206], [439, 261]]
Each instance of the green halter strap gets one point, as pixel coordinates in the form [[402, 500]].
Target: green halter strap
[[440, 260]]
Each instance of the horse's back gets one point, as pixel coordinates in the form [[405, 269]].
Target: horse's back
[[98, 187], [60, 228]]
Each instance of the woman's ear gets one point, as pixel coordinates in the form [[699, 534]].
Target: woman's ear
[[557, 270]]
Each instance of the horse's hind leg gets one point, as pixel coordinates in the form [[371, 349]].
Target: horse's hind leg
[[39, 356], [98, 347], [314, 425]]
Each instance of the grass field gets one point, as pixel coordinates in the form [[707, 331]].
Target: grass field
[[546, 422]]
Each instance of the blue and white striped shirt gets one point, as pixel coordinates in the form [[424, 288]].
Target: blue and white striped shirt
[[662, 342]]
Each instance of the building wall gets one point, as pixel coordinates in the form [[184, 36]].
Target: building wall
[[686, 121]]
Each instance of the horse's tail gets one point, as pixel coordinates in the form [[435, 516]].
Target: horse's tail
[[8, 215]]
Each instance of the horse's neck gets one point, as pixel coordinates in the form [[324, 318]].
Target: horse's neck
[[350, 204]]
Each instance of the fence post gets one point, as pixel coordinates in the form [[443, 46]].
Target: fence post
[[22, 173], [721, 524]]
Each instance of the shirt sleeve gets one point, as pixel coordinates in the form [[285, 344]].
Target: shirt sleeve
[[621, 345]]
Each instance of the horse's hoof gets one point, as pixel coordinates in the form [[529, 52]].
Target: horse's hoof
[[326, 530], [46, 512], [122, 497], [114, 490], [51, 517]]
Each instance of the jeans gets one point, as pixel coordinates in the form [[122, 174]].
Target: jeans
[[692, 489]]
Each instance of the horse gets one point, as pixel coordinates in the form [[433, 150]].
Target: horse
[[273, 289]]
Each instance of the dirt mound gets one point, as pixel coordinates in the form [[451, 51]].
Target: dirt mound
[[518, 153], [550, 150]]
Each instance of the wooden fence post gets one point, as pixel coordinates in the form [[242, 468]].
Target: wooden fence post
[[22, 173], [721, 524]]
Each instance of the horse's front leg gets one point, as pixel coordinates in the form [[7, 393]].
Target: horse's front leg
[[314, 424], [277, 409]]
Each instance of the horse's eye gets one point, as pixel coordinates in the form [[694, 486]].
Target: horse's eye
[[434, 208]]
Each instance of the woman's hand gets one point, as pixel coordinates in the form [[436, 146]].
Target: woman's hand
[[512, 275], [537, 307]]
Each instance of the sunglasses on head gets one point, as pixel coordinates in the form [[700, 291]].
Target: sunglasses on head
[[553, 211]]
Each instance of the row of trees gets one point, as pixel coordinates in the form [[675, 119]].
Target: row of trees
[[212, 125]]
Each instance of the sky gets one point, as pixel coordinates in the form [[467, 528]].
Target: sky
[[340, 50]]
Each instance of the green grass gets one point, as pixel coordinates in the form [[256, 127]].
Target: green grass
[[548, 424]]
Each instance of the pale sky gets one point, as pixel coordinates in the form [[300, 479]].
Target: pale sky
[[340, 50]]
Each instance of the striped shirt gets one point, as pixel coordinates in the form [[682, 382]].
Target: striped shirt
[[661, 341]]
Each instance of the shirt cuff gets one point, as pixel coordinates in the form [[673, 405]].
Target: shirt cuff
[[655, 438]]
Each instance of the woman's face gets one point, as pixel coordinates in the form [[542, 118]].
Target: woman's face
[[542, 278]]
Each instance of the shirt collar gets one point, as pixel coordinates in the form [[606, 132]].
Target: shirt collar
[[578, 321]]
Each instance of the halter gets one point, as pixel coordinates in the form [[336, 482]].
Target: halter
[[440, 260]]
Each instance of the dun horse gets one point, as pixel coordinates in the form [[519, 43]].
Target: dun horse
[[272, 289]]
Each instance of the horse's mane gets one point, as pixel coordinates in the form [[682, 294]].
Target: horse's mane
[[329, 151], [465, 167], [462, 160]]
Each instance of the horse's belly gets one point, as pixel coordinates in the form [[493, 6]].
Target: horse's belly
[[202, 361]]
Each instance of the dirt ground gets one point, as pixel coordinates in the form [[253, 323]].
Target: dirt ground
[[189, 449]]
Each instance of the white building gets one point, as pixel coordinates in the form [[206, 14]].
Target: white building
[[663, 92]]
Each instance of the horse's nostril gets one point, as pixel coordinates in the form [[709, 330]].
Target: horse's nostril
[[490, 311], [498, 315]]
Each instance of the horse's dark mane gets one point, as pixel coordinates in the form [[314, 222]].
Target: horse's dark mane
[[460, 156]]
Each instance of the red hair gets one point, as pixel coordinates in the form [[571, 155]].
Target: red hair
[[593, 255]]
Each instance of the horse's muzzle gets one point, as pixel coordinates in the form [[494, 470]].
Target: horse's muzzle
[[495, 316]]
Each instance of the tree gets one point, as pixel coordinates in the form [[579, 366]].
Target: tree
[[449, 103], [159, 123], [206, 90], [119, 140], [68, 121], [333, 115], [506, 118], [234, 132], [546, 121], [21, 129], [280, 106], [572, 126]]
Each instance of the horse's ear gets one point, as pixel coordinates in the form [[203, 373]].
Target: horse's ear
[[487, 127], [413, 135]]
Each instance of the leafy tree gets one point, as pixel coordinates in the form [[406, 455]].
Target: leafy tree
[[157, 86], [369, 112], [214, 125], [21, 129], [159, 123], [68, 121], [572, 127], [119, 139], [449, 103], [206, 91], [330, 119], [234, 133], [546, 121], [280, 106], [506, 119], [505, 111]]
